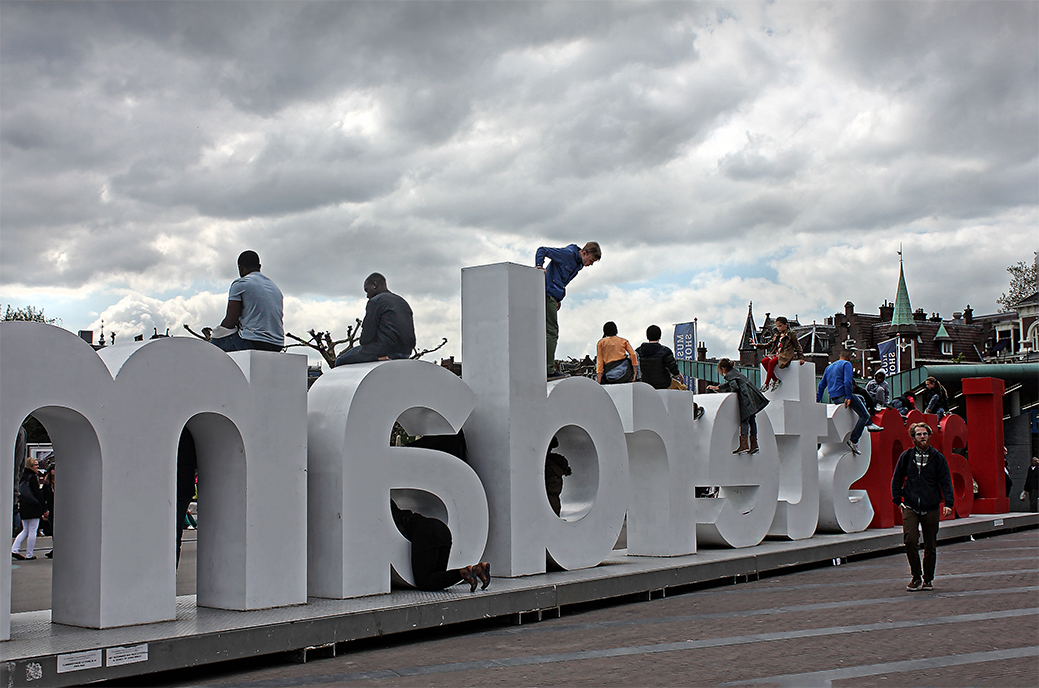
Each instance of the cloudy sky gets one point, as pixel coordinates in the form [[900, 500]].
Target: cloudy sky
[[721, 153]]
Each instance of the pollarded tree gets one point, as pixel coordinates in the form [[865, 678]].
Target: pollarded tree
[[28, 314]]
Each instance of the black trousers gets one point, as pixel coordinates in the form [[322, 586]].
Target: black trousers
[[430, 549], [912, 524]]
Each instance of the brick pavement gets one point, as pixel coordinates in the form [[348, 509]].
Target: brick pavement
[[848, 625]]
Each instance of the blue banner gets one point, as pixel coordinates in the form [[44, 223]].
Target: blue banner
[[888, 356], [685, 341], [685, 348]]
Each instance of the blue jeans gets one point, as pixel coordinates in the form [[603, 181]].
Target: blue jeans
[[235, 342], [749, 426], [362, 354], [859, 407], [934, 406]]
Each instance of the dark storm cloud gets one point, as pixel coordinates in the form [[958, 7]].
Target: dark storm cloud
[[975, 96], [144, 144]]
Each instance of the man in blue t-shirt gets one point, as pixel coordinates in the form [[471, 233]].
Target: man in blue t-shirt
[[839, 379], [254, 311], [564, 266]]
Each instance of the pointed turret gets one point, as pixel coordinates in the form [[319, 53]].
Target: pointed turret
[[902, 319], [749, 338], [749, 353], [903, 323]]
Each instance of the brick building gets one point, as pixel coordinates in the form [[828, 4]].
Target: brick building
[[922, 340]]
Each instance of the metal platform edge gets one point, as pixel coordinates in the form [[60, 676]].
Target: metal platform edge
[[166, 646]]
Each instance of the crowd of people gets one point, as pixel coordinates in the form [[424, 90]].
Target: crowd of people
[[254, 320]]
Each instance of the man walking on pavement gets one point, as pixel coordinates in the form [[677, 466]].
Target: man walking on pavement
[[920, 482], [564, 266], [839, 379]]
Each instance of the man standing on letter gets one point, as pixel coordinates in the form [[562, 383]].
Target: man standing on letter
[[566, 263], [920, 482]]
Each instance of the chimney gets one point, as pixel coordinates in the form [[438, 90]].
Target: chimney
[[887, 311], [87, 336], [849, 309], [919, 315], [957, 316], [968, 315], [701, 352]]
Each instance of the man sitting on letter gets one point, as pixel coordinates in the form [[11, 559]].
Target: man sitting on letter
[[388, 330], [254, 311]]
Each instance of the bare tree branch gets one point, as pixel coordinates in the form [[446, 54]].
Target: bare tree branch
[[206, 332], [323, 343], [420, 354]]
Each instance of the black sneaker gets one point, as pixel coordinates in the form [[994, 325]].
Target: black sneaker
[[927, 586], [914, 585], [698, 413], [16, 555]]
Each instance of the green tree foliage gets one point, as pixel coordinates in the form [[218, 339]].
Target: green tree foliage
[[35, 432], [28, 314], [1022, 284]]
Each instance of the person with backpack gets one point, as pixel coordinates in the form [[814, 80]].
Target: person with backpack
[[615, 360]]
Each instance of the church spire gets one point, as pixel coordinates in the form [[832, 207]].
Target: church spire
[[902, 318], [749, 338]]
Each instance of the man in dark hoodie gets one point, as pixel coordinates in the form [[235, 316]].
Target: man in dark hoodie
[[657, 361], [388, 330], [920, 482], [658, 366]]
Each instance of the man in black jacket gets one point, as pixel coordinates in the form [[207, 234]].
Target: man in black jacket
[[920, 482], [656, 360], [658, 366], [388, 330]]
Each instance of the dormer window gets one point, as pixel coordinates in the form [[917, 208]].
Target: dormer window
[[947, 348]]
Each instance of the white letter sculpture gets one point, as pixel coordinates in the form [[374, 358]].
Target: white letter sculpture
[[503, 349], [799, 423], [742, 513], [658, 428], [115, 420], [841, 509], [353, 471]]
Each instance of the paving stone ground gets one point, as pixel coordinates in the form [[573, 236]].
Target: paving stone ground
[[848, 625]]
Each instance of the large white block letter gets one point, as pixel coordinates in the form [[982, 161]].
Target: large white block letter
[[115, 419], [353, 470], [503, 353], [841, 509], [658, 428], [742, 513], [799, 423]]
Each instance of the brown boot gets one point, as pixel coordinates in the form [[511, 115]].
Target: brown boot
[[753, 444], [744, 447]]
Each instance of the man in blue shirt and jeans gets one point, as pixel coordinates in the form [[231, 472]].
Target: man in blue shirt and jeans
[[564, 266], [254, 311], [839, 379]]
